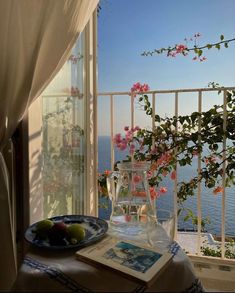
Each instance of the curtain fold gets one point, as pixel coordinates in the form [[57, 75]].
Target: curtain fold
[[36, 39]]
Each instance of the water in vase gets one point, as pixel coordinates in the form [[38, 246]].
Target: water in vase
[[132, 208]]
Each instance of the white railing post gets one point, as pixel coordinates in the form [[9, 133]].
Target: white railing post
[[111, 133], [153, 140], [224, 176], [132, 110], [199, 210], [132, 118], [176, 177], [153, 112], [153, 117]]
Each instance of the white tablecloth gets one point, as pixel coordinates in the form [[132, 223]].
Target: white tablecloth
[[60, 271]]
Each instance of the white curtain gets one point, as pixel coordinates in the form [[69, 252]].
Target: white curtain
[[36, 39]]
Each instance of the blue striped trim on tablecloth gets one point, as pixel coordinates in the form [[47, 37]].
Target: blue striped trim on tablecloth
[[174, 248], [56, 275], [63, 279]]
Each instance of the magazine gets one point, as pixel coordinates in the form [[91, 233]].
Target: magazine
[[130, 259]]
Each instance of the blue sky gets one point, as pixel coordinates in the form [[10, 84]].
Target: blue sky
[[128, 27]]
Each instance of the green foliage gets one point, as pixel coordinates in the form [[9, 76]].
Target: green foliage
[[216, 252], [187, 144]]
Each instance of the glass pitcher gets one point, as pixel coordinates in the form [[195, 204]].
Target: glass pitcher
[[133, 211]]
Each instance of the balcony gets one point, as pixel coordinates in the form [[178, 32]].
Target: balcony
[[216, 272]]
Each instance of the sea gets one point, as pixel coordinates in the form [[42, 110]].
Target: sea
[[210, 203]]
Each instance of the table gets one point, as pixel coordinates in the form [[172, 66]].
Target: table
[[53, 271]]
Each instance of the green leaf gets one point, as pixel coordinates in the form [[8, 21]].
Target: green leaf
[[186, 218], [209, 46], [200, 53], [218, 46], [157, 118], [226, 45], [221, 37]]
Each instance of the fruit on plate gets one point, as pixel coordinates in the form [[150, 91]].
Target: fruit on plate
[[58, 233], [76, 233], [43, 227]]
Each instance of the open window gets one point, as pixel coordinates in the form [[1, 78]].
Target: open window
[[62, 143]]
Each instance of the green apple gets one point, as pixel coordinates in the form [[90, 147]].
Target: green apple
[[43, 227], [76, 233]]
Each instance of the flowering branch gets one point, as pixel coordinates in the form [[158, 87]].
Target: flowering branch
[[184, 49], [159, 147]]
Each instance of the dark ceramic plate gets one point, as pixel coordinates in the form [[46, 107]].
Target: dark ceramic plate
[[95, 229]]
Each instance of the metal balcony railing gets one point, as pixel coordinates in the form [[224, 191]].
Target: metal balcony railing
[[176, 93]]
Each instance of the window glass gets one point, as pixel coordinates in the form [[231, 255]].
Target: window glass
[[61, 156]]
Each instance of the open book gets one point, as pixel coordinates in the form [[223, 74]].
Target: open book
[[132, 260]]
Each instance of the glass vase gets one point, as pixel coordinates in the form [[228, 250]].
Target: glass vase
[[133, 211]]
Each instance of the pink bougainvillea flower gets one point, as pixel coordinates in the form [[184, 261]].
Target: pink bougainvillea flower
[[164, 159], [217, 190], [195, 58], [163, 190], [209, 160], [117, 138], [145, 87], [122, 146], [180, 48], [206, 161], [137, 178], [149, 174], [107, 172], [153, 193], [129, 135], [139, 88], [132, 149], [173, 175]]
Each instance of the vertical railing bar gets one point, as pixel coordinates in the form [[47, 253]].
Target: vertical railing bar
[[153, 129], [132, 110], [112, 155], [132, 117], [199, 209], [153, 113], [224, 176], [111, 133], [176, 177]]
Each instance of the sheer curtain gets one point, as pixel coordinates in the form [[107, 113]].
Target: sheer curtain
[[36, 39]]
